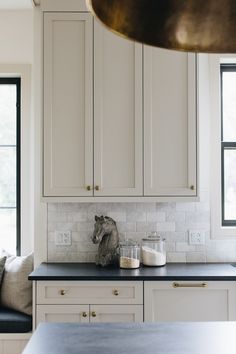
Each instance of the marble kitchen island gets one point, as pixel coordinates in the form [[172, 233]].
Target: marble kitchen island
[[139, 338]]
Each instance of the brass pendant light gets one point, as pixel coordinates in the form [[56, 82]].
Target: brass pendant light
[[206, 26]]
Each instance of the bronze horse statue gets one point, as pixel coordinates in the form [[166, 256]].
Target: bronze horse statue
[[106, 234]]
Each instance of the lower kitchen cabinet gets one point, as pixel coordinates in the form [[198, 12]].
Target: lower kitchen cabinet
[[135, 301], [189, 301], [89, 301]]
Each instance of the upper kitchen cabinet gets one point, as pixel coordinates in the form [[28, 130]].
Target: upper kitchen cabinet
[[92, 145], [170, 123], [117, 115], [68, 104], [120, 119]]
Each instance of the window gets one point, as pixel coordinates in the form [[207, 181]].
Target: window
[[228, 144], [10, 91]]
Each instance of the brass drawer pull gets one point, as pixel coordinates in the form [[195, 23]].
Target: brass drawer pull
[[192, 187], [94, 314], [88, 188], [62, 292], [97, 188], [178, 285], [84, 314], [116, 292]]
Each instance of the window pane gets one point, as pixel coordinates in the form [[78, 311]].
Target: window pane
[[7, 177], [7, 114], [230, 184], [8, 230]]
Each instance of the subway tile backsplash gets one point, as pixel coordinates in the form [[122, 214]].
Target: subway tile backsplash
[[136, 220]]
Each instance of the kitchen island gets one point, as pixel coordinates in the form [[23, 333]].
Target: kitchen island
[[141, 338]]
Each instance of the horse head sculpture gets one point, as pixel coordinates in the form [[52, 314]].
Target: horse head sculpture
[[106, 234]]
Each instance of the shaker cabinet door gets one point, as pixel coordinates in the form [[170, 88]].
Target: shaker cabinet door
[[68, 104], [62, 313], [116, 313], [189, 301], [170, 123], [117, 115]]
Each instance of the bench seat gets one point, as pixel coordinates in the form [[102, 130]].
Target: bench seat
[[12, 321]]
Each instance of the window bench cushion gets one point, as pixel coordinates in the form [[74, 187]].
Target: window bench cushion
[[12, 321]]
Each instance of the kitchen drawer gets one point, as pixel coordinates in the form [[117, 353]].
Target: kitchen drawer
[[90, 292]]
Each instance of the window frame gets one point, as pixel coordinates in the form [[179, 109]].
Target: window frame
[[224, 67], [217, 231], [17, 82]]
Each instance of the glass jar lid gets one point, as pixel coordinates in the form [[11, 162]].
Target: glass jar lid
[[129, 243], [153, 237]]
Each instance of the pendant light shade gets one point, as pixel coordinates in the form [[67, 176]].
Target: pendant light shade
[[207, 26]]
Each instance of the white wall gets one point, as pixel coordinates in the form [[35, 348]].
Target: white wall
[[16, 36]]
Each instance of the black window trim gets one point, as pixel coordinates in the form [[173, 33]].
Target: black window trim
[[224, 147], [17, 82]]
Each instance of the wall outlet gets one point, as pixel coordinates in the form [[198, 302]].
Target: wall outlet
[[63, 238], [196, 237]]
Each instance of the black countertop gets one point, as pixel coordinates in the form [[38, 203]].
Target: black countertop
[[156, 338], [172, 271]]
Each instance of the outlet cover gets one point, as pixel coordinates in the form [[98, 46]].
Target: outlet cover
[[196, 237], [63, 238]]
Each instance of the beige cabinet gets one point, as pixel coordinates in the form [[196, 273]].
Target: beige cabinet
[[170, 123], [120, 119], [92, 147], [89, 301], [189, 301], [68, 104]]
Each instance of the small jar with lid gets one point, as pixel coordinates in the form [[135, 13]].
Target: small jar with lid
[[153, 250], [129, 255]]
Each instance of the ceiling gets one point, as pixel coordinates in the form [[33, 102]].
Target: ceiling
[[15, 4]]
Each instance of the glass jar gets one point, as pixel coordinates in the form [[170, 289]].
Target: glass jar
[[153, 250], [129, 255]]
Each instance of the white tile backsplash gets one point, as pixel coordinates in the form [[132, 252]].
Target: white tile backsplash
[[136, 220]]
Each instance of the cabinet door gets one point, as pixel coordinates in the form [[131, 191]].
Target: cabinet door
[[68, 102], [116, 313], [170, 123], [62, 313], [189, 302], [117, 115]]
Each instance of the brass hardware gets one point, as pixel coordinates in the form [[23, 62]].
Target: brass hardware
[[94, 314], [88, 188], [186, 285], [192, 26], [97, 188], [192, 188], [84, 314], [62, 292], [116, 292]]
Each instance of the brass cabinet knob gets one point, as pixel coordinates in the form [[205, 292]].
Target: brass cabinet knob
[[97, 188], [84, 314], [88, 188], [116, 292], [94, 314], [192, 187], [62, 292]]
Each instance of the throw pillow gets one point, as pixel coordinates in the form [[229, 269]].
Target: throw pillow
[[2, 264], [16, 292]]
